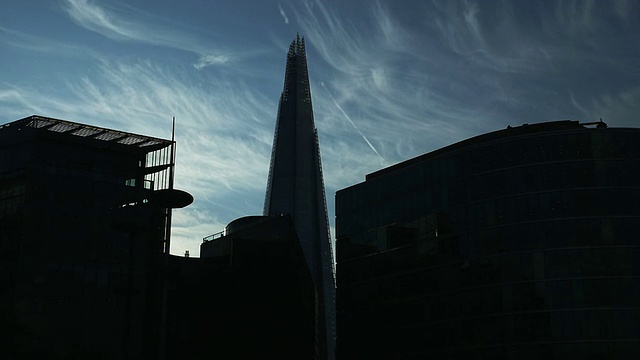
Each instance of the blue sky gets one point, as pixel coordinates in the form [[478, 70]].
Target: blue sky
[[390, 80]]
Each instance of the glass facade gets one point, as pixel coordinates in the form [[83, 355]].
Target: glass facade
[[295, 187], [81, 245], [514, 244]]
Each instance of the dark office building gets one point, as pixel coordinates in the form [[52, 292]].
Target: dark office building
[[83, 236], [296, 188], [516, 244], [249, 296]]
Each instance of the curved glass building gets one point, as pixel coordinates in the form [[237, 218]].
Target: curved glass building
[[520, 243]]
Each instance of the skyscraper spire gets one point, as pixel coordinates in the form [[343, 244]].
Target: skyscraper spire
[[296, 187]]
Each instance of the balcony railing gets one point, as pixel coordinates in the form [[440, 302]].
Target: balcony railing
[[213, 236]]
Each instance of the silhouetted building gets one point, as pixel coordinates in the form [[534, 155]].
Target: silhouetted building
[[264, 287], [83, 237], [516, 244], [295, 187], [249, 296]]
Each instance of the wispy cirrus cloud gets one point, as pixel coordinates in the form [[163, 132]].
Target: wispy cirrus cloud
[[41, 44], [617, 107], [224, 141], [456, 69], [398, 81], [383, 101], [123, 26], [210, 60], [283, 14]]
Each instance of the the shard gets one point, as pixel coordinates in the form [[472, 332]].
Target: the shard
[[295, 187]]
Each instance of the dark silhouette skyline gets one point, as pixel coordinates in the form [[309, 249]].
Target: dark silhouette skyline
[[518, 242], [410, 77]]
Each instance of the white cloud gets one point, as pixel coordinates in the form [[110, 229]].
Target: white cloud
[[210, 60], [283, 14], [126, 27], [617, 109], [395, 88], [223, 133], [95, 18], [380, 82], [470, 14], [41, 44]]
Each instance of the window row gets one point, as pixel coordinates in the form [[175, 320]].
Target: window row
[[496, 211]]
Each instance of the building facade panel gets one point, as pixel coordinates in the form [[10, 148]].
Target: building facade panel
[[81, 245], [504, 244]]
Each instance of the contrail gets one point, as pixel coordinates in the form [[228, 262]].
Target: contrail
[[353, 124]]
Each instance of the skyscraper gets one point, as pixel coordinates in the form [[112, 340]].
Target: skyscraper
[[295, 186]]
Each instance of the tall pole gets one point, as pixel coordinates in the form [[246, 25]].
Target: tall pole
[[171, 176], [165, 268]]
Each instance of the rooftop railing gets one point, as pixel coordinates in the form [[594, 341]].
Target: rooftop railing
[[213, 236]]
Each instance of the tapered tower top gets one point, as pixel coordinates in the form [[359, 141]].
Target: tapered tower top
[[295, 186], [295, 156], [297, 47]]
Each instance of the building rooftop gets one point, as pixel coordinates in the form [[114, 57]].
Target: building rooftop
[[525, 129], [108, 136]]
